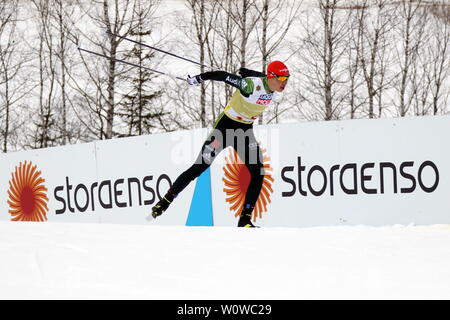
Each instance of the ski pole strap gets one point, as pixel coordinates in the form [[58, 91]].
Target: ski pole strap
[[160, 50], [128, 63]]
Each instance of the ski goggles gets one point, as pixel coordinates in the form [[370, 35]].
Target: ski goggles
[[281, 78]]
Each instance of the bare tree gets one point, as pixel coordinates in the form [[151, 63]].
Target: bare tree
[[224, 50], [204, 14], [276, 20], [355, 99], [116, 17], [12, 86], [5, 19], [411, 31], [244, 16], [420, 75], [118, 22], [439, 51], [45, 134], [374, 27], [62, 20], [430, 71], [320, 54]]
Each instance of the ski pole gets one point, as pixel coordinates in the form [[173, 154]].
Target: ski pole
[[129, 63], [160, 50]]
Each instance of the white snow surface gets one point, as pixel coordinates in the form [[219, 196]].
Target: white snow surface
[[112, 261]]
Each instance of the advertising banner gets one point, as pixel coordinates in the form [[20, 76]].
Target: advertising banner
[[114, 181], [371, 172]]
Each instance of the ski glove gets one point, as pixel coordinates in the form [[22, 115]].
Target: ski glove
[[195, 80]]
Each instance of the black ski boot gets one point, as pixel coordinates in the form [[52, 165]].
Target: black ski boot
[[160, 207], [245, 221]]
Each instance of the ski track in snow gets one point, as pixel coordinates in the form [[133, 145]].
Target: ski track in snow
[[112, 261]]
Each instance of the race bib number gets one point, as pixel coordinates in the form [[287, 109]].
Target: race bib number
[[264, 99]]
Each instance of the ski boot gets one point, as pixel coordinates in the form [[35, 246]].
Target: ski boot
[[160, 208], [245, 221]]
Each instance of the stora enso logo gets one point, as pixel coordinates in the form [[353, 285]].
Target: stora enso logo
[[27, 194], [237, 179]]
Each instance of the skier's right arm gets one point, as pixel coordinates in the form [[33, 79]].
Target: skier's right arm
[[244, 85]]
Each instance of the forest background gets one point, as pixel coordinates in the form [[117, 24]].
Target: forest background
[[348, 60]]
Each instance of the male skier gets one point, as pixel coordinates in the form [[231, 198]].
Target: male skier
[[234, 128]]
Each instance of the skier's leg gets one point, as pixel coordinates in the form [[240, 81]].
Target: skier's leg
[[252, 195], [210, 149], [254, 163], [202, 163]]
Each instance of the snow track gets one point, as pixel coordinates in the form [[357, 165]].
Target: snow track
[[105, 261]]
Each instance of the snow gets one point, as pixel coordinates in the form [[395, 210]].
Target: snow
[[116, 261]]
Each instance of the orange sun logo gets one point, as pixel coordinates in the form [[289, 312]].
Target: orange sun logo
[[27, 194], [237, 179]]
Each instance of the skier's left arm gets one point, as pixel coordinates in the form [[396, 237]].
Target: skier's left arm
[[243, 84]]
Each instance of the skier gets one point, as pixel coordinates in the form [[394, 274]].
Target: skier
[[234, 128]]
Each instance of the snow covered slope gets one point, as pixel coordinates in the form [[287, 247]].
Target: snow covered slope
[[105, 261]]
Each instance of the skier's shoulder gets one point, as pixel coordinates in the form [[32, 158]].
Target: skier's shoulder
[[254, 84], [251, 84]]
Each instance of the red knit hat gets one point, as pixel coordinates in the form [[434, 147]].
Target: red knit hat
[[277, 68]]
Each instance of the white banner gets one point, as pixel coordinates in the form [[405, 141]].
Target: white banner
[[115, 181], [372, 172]]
